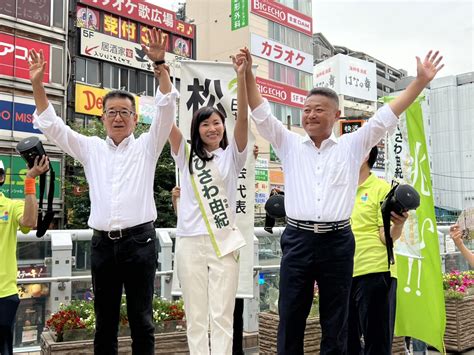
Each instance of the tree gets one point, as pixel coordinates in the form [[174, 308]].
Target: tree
[[77, 202]]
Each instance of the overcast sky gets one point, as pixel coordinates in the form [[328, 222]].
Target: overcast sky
[[395, 31]]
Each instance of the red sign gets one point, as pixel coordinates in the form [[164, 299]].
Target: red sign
[[14, 56], [283, 15], [281, 93], [141, 11]]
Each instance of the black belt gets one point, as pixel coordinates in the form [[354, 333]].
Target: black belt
[[123, 233], [318, 227]]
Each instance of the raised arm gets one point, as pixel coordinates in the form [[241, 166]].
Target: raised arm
[[253, 95], [175, 136], [268, 125], [241, 124], [165, 97], [30, 210], [426, 71], [456, 235], [45, 119]]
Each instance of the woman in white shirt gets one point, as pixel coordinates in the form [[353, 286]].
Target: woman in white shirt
[[208, 241]]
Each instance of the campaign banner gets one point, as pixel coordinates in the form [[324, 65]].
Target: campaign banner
[[281, 93], [14, 56], [276, 12], [215, 84], [420, 295], [142, 11], [277, 52]]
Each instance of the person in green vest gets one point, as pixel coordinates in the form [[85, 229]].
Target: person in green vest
[[14, 215], [374, 285]]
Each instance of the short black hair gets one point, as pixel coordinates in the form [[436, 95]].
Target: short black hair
[[372, 156], [325, 92], [122, 94]]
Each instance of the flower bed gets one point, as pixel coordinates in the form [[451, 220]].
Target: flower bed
[[459, 299], [76, 320]]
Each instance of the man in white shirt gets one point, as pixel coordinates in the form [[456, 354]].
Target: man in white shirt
[[321, 178], [120, 171]]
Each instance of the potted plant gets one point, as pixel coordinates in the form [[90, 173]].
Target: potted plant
[[459, 299]]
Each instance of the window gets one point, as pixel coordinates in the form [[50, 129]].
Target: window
[[87, 71], [281, 112], [303, 6], [290, 76], [45, 13], [290, 37], [57, 65]]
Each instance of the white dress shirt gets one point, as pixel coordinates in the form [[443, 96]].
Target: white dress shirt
[[321, 183], [120, 177], [229, 163]]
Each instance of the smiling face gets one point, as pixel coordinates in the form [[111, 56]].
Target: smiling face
[[320, 113], [119, 118], [211, 131]]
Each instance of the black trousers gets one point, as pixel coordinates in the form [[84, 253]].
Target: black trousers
[[8, 308], [372, 314], [327, 259], [131, 263], [237, 343]]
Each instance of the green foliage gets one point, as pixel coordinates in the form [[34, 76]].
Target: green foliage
[[77, 200]]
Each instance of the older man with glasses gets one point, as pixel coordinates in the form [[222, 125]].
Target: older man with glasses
[[120, 171]]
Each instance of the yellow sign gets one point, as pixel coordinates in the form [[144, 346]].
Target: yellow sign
[[89, 100]]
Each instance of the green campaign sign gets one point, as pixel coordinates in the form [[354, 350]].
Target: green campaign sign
[[15, 173], [239, 14]]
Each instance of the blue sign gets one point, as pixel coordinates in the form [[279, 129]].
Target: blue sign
[[16, 116]]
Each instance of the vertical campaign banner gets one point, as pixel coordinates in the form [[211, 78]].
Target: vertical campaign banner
[[215, 84], [420, 295]]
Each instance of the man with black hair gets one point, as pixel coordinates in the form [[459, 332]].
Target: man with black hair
[[120, 171], [321, 173], [374, 285]]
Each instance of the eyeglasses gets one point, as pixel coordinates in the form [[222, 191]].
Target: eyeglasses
[[122, 113]]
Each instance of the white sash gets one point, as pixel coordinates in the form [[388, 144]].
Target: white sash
[[212, 198]]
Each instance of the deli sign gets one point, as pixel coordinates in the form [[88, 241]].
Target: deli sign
[[276, 12]]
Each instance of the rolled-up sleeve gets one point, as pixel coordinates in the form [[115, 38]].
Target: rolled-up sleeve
[[165, 117], [374, 130], [54, 128]]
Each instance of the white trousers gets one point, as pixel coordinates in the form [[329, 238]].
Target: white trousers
[[209, 286]]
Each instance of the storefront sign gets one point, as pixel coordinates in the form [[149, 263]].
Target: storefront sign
[[17, 116], [14, 56], [279, 53], [261, 174], [141, 11], [349, 126], [276, 177], [281, 93], [15, 174], [89, 100], [347, 76], [276, 12], [239, 14], [115, 50]]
